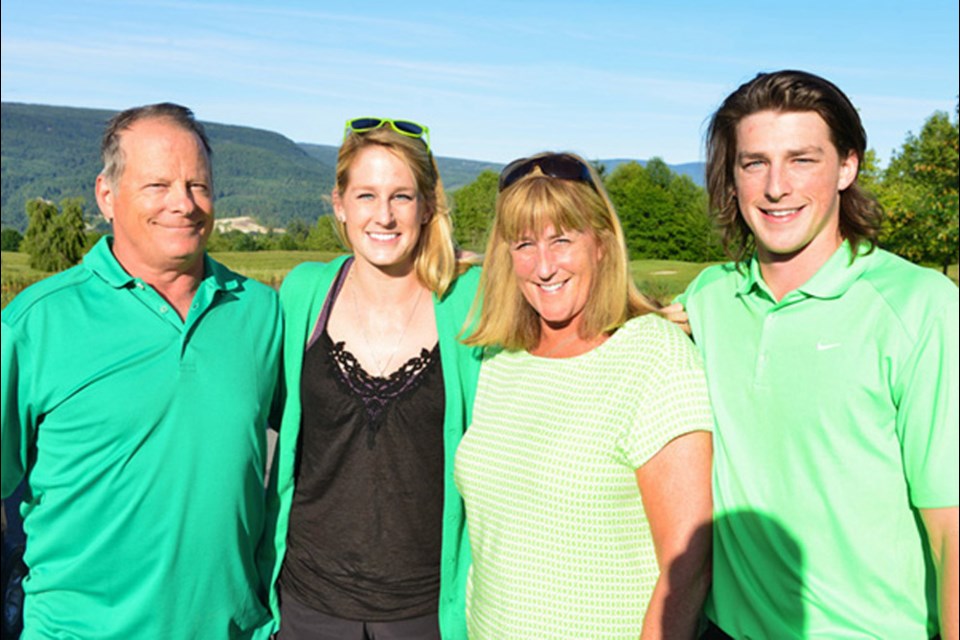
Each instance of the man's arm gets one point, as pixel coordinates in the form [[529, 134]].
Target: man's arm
[[928, 425], [943, 532], [677, 314], [13, 433]]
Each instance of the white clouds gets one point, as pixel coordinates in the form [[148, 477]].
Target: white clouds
[[494, 80]]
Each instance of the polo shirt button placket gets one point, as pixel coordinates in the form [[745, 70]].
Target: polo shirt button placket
[[760, 370]]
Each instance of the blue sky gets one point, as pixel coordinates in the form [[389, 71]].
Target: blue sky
[[493, 80]]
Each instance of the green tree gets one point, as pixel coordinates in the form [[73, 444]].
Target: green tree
[[233, 240], [55, 237], [323, 236], [600, 168], [69, 239], [919, 193], [10, 239], [298, 229], [275, 241], [663, 214], [644, 211], [473, 210], [699, 241], [40, 216], [870, 177]]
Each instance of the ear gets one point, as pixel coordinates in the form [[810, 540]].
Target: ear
[[848, 171], [426, 213], [599, 244], [105, 197], [337, 205]]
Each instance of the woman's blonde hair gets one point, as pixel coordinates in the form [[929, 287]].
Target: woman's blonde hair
[[531, 204], [435, 261]]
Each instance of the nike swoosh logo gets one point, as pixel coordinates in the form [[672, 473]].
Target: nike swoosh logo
[[826, 347]]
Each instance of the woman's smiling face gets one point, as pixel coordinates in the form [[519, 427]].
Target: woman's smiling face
[[555, 271], [381, 209]]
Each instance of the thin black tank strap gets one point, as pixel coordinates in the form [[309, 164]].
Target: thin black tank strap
[[321, 325]]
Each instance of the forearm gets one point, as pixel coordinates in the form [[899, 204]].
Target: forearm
[[674, 609], [675, 488], [943, 533], [948, 592]]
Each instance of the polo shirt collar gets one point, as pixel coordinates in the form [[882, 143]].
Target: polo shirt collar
[[833, 278], [101, 261], [751, 279], [217, 276], [838, 273]]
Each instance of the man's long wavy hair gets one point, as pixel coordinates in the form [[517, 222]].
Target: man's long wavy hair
[[786, 91]]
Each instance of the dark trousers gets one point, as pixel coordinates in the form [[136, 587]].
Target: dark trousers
[[714, 632], [299, 622]]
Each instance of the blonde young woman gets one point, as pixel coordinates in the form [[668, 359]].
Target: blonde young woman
[[586, 468], [370, 534]]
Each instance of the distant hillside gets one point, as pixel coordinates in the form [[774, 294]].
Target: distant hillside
[[47, 152], [53, 153], [457, 172]]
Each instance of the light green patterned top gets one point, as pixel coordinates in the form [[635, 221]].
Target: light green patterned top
[[561, 546]]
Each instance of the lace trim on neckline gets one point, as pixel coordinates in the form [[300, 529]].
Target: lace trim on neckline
[[378, 393]]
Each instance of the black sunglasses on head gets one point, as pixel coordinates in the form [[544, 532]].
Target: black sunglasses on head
[[562, 166]]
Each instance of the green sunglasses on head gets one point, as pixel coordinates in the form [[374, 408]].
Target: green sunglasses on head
[[403, 127]]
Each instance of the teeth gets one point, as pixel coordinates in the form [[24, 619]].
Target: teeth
[[780, 214], [383, 236], [550, 288]]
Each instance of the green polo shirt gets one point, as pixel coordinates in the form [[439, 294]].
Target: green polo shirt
[[142, 440], [837, 419]]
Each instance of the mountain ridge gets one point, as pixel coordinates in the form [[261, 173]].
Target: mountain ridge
[[52, 152]]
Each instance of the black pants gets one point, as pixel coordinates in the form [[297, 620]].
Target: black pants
[[300, 622], [714, 632]]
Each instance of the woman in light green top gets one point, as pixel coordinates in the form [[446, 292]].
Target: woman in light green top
[[586, 469]]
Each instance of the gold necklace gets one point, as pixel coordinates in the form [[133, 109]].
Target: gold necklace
[[363, 331]]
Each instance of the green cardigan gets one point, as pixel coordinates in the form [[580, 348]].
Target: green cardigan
[[302, 295]]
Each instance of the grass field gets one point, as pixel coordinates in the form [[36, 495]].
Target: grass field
[[270, 267], [16, 275], [660, 279]]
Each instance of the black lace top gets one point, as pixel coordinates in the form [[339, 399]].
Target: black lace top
[[375, 392], [365, 523]]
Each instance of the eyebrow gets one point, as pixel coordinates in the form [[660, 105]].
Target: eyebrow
[[791, 153], [374, 187]]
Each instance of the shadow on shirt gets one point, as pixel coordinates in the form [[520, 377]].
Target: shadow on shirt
[[776, 563]]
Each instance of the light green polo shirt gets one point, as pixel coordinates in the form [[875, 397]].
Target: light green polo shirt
[[837, 419], [142, 439]]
